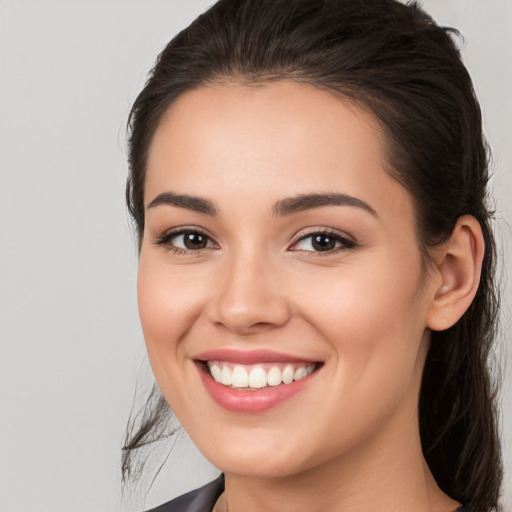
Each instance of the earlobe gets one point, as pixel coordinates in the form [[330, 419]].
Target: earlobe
[[458, 267]]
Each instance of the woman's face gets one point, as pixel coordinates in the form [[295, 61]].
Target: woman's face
[[276, 246]]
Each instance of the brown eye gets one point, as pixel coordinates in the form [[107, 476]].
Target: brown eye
[[186, 240], [194, 241], [323, 242]]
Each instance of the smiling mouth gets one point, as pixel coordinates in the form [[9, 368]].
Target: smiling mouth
[[254, 381], [255, 377]]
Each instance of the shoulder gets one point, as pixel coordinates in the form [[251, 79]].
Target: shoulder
[[198, 500]]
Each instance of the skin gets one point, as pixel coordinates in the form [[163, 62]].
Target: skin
[[350, 439]]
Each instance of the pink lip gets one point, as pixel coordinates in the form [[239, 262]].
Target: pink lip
[[249, 356], [244, 401]]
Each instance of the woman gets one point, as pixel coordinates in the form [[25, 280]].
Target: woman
[[308, 183]]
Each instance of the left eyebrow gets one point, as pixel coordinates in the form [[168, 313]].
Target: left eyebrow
[[194, 203], [303, 202]]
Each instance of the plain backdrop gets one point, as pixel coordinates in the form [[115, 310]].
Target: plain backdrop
[[71, 347]]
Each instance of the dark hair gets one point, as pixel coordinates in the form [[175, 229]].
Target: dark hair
[[395, 61]]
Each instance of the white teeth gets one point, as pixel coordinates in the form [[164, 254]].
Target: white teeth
[[240, 377], [226, 377], [274, 376], [257, 378], [216, 372], [288, 374], [300, 373]]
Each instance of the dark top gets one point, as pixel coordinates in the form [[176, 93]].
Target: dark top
[[202, 499], [199, 500]]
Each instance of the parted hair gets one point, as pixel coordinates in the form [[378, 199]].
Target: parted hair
[[396, 62]]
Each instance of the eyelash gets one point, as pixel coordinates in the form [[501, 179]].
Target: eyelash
[[166, 238], [345, 243]]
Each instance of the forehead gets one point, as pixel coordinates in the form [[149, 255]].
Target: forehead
[[269, 140]]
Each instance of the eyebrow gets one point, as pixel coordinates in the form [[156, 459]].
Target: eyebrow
[[194, 203], [303, 202], [287, 206]]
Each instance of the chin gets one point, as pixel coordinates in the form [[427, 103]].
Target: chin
[[260, 467], [256, 456]]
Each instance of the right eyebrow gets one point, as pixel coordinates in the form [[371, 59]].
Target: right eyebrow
[[303, 202], [194, 203]]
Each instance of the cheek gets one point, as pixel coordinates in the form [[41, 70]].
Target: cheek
[[167, 309], [372, 315], [374, 330]]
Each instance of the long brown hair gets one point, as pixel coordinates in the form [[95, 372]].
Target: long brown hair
[[394, 60]]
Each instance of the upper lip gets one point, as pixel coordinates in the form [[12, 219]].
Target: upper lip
[[250, 356]]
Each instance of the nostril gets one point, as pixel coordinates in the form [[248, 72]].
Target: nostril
[[257, 318], [246, 328], [248, 302], [261, 325]]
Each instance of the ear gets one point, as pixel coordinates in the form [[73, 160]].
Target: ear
[[457, 274]]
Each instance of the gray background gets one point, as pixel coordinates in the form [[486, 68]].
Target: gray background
[[70, 341]]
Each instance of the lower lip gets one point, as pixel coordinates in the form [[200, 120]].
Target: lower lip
[[241, 400]]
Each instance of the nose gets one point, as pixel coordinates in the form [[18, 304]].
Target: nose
[[249, 298]]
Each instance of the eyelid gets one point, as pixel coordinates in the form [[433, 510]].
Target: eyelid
[[165, 238], [346, 240]]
